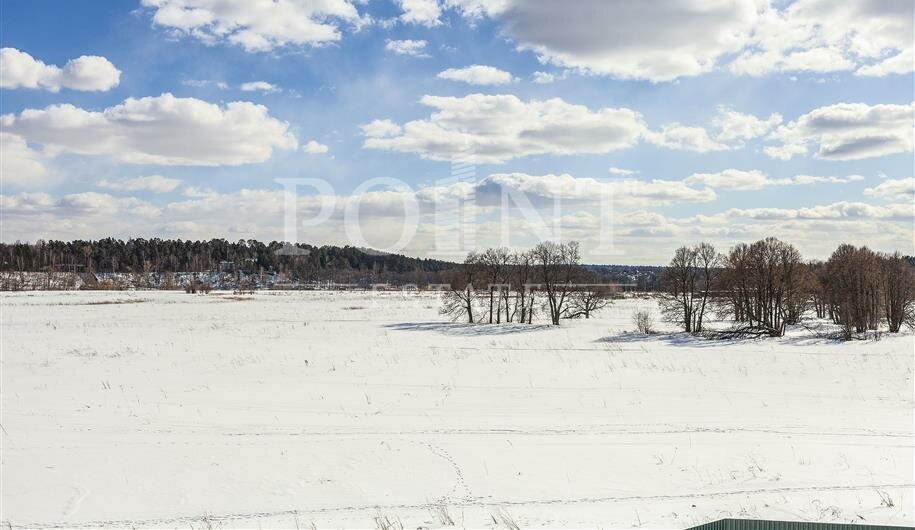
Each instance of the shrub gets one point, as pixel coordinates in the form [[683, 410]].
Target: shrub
[[643, 320], [195, 286]]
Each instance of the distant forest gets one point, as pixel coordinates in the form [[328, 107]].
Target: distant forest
[[327, 263], [319, 264]]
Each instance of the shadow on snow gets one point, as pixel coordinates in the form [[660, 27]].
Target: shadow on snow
[[468, 330]]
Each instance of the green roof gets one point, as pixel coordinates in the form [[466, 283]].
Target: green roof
[[759, 524]]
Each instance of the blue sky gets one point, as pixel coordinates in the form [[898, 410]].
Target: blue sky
[[58, 184]]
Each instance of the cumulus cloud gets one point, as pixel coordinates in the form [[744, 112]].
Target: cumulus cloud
[[414, 48], [658, 40], [567, 187], [661, 40], [545, 78], [837, 211], [87, 73], [847, 131], [381, 129], [422, 12], [382, 211], [895, 189], [731, 179], [644, 235], [151, 183], [682, 137], [814, 179], [20, 165], [733, 125], [871, 38], [74, 204], [259, 86], [483, 128], [736, 179], [477, 74], [819, 60], [314, 147], [622, 171], [256, 26], [163, 130]]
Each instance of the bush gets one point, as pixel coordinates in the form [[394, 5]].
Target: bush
[[195, 286], [643, 320]]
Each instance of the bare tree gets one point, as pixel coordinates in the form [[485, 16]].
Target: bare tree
[[765, 285], [817, 286], [687, 284], [459, 299], [557, 265], [495, 264], [854, 289], [522, 278], [590, 296], [898, 291]]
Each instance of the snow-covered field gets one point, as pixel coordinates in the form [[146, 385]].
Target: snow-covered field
[[287, 409]]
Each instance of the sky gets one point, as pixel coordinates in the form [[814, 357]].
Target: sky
[[435, 127]]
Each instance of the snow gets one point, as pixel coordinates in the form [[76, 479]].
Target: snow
[[351, 409]]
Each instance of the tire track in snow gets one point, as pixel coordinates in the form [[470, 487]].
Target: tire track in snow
[[580, 431], [374, 508]]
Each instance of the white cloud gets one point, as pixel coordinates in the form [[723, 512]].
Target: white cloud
[[838, 211], [158, 130], [200, 83], [733, 125], [812, 179], [565, 186], [87, 73], [682, 137], [259, 86], [422, 12], [545, 78], [736, 179], [313, 147], [643, 235], [257, 26], [661, 40], [819, 60], [88, 203], [872, 38], [151, 183], [897, 189], [731, 179], [901, 63], [415, 48], [20, 165], [658, 40], [380, 129], [260, 212], [847, 131], [495, 128], [621, 171], [477, 74]]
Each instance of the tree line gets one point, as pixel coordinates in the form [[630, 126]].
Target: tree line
[[765, 286], [158, 258], [145, 256], [500, 285]]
